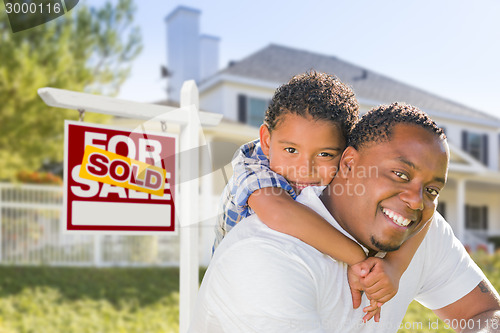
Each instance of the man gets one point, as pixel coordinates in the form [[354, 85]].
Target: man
[[386, 191]]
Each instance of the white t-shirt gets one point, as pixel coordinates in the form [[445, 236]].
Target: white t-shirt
[[261, 280]]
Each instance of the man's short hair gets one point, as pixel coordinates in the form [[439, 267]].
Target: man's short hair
[[319, 95], [376, 125]]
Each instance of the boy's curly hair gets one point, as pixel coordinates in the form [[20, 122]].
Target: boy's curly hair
[[376, 125], [319, 95]]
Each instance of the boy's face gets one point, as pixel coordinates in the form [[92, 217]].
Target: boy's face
[[303, 150]]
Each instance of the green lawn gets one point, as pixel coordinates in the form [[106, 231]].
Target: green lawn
[[77, 300], [49, 299], [419, 319]]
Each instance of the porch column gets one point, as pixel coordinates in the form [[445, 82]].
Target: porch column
[[460, 232], [207, 208]]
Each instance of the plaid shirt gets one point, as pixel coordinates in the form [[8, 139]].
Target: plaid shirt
[[251, 172]]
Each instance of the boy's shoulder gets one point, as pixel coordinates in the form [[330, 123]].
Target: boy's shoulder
[[252, 149], [250, 154]]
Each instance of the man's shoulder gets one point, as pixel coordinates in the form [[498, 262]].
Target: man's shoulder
[[251, 240], [440, 251], [439, 231], [251, 233]]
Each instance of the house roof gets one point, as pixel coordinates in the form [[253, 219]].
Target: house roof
[[278, 64]]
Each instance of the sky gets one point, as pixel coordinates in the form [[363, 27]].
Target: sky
[[448, 47]]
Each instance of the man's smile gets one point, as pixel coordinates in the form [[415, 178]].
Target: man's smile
[[397, 218]]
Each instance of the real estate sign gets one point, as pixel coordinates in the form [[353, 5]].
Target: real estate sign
[[117, 181]]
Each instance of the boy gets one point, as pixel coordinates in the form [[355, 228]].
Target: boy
[[301, 142]]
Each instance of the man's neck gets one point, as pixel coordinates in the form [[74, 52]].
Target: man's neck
[[335, 206]]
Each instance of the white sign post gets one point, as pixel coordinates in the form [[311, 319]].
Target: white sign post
[[188, 279], [190, 120]]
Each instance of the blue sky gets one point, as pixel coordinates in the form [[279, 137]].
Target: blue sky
[[448, 47]]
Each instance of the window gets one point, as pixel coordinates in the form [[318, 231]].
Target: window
[[476, 217], [441, 208], [256, 110], [476, 145], [242, 109], [251, 110]]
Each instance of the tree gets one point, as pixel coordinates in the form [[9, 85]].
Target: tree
[[88, 49]]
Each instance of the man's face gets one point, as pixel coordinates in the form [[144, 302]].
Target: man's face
[[303, 150], [392, 188]]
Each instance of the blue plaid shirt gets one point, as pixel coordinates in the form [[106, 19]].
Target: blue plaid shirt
[[251, 172]]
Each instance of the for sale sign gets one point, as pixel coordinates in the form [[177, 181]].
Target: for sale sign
[[117, 181]]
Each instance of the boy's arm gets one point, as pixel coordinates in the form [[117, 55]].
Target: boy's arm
[[280, 212]]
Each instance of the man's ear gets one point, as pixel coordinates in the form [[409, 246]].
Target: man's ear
[[265, 139], [348, 160]]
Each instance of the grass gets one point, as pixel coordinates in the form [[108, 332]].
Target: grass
[[419, 319], [80, 300], [54, 299]]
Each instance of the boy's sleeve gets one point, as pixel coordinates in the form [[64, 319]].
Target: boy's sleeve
[[252, 172]]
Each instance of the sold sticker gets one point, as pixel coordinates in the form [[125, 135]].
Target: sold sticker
[[110, 168]]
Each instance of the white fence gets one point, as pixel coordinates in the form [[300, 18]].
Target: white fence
[[30, 235], [476, 239]]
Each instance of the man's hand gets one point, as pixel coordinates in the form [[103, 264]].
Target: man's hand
[[354, 275]]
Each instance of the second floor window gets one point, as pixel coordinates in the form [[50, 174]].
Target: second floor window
[[476, 217], [251, 110], [476, 145]]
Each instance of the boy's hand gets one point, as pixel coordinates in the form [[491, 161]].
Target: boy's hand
[[372, 310], [382, 281]]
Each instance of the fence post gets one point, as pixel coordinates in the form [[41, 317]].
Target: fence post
[[189, 204], [97, 251], [1, 225]]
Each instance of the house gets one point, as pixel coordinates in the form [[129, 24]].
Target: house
[[242, 90]]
